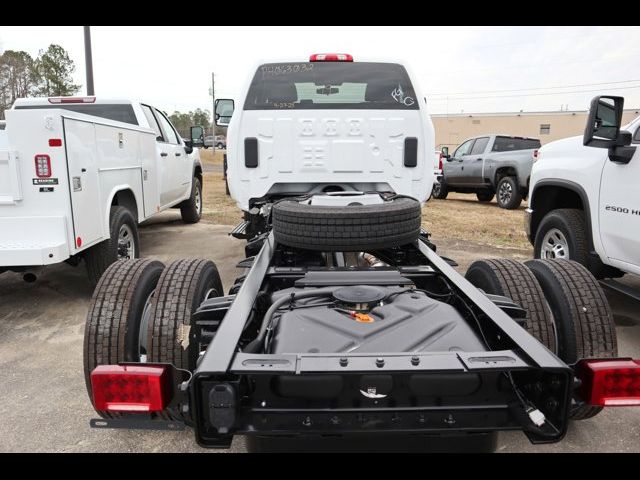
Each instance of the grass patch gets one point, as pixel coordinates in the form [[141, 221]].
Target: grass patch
[[462, 217], [459, 217], [208, 157]]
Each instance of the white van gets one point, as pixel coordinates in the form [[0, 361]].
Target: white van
[[77, 174]]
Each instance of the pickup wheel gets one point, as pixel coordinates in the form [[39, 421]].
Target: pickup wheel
[[123, 244], [191, 209], [581, 313], [485, 196], [115, 318], [562, 234], [439, 190], [352, 228], [508, 194], [514, 280]]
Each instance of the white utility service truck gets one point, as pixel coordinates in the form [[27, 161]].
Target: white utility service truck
[[77, 174]]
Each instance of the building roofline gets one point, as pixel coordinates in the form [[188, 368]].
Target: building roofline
[[522, 114]]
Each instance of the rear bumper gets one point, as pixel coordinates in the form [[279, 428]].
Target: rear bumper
[[31, 241], [314, 394]]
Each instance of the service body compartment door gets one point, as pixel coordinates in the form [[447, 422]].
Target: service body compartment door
[[82, 167], [149, 159], [10, 182]]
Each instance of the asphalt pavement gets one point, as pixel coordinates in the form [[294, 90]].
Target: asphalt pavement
[[44, 405]]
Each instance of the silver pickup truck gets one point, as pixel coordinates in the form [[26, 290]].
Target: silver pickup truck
[[488, 165]]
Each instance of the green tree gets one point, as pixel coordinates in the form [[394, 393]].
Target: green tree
[[201, 117], [18, 77], [54, 68], [182, 122]]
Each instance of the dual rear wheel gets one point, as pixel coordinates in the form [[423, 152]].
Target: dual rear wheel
[[567, 310], [141, 312]]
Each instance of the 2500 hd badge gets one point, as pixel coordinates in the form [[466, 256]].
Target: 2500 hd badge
[[611, 208]]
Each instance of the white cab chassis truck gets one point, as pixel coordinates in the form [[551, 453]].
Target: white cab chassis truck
[[584, 199], [347, 323], [77, 175]]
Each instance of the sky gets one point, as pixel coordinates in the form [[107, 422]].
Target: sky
[[459, 69]]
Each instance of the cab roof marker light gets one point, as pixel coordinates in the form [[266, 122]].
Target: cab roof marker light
[[72, 99], [331, 57]]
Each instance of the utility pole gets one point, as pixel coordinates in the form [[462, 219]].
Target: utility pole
[[213, 111], [88, 61]]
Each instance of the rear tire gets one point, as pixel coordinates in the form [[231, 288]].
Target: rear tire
[[183, 286], [582, 315], [112, 330], [514, 280], [508, 194], [439, 191], [191, 209], [123, 230], [484, 196]]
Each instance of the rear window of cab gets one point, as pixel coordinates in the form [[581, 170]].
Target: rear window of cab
[[331, 85]]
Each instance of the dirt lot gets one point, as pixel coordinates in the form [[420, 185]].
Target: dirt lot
[[460, 217], [43, 401]]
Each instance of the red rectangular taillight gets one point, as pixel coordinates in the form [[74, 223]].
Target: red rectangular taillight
[[610, 383], [43, 165], [131, 388]]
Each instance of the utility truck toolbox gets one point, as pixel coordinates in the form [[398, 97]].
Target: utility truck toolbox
[[346, 321], [77, 174]]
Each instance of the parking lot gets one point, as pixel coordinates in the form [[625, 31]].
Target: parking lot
[[43, 402]]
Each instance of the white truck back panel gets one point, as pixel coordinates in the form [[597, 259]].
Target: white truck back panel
[[327, 124]]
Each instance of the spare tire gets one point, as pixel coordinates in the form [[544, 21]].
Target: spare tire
[[349, 228]]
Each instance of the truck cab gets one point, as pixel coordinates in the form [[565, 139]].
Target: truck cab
[[331, 124], [585, 202]]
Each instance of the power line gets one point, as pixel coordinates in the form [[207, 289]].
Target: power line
[[534, 94], [532, 89]]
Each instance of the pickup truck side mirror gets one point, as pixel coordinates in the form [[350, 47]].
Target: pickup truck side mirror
[[197, 136], [444, 151], [224, 108], [603, 128]]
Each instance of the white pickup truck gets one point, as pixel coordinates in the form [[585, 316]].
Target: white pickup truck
[[585, 202], [77, 174]]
